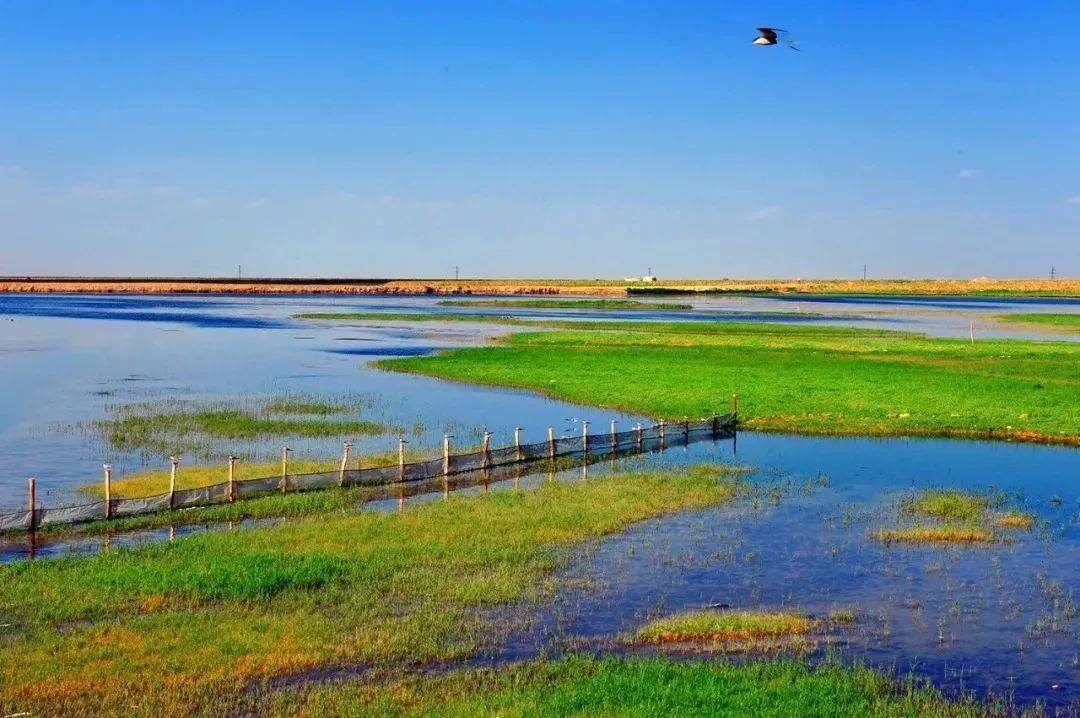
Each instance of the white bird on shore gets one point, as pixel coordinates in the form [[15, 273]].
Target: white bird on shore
[[774, 36]]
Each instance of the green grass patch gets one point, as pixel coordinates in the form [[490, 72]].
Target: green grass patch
[[602, 304], [948, 504], [698, 626], [1070, 322], [180, 628], [291, 505], [820, 380], [646, 687]]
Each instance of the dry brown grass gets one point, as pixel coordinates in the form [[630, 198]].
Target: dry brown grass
[[1016, 520], [934, 534]]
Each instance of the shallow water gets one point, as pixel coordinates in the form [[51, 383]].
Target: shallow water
[[994, 618], [65, 358]]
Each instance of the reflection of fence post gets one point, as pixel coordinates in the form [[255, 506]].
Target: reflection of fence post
[[108, 491], [584, 437], [715, 425], [517, 443], [638, 431], [486, 449], [173, 462], [33, 503], [614, 440], [551, 443], [401, 458], [232, 479], [344, 463]]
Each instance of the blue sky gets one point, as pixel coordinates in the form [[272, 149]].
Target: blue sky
[[539, 139]]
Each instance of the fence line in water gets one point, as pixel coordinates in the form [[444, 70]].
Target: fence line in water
[[637, 440]]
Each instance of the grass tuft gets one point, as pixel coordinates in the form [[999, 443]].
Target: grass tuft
[[1016, 520], [934, 534], [948, 504], [712, 626]]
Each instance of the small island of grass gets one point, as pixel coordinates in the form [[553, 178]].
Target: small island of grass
[[951, 516], [180, 426], [723, 626]]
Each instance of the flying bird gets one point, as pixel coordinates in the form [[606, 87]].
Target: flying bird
[[774, 36]]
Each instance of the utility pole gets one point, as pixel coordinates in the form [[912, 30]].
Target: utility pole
[[1053, 273], [864, 272], [456, 273], [238, 272]]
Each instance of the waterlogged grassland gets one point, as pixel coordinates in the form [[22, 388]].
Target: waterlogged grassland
[[181, 628], [818, 380], [646, 687], [1067, 322], [414, 317], [601, 304], [950, 516], [179, 426], [151, 483]]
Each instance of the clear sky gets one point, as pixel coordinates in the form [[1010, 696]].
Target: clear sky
[[571, 139]]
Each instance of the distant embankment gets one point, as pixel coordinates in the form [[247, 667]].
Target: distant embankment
[[596, 287]]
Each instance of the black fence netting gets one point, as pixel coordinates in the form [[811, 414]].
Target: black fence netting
[[603, 445]]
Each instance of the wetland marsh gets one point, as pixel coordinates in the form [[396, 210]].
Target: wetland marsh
[[527, 590]]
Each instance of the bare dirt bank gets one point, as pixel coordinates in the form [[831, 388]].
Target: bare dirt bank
[[597, 287]]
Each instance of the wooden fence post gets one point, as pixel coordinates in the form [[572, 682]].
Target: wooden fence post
[[173, 462], [639, 437], [285, 468], [401, 458], [662, 425], [33, 503], [446, 466], [551, 443], [344, 463], [232, 479], [486, 449], [108, 491], [686, 429], [517, 443], [614, 440], [735, 405], [584, 437]]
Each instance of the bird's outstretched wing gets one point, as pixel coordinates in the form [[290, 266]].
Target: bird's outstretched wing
[[778, 36]]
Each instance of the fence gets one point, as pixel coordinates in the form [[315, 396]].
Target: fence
[[590, 446]]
